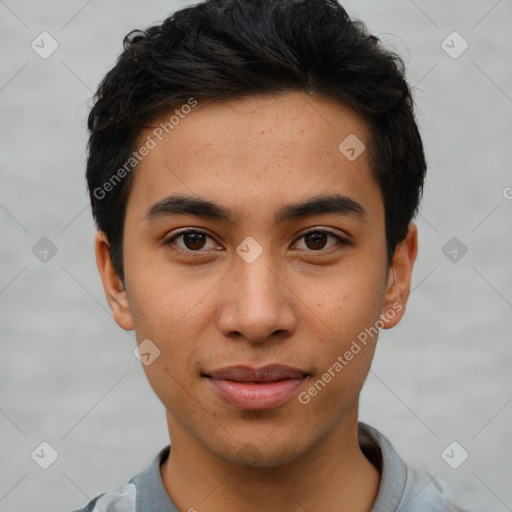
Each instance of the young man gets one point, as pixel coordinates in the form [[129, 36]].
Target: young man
[[254, 167]]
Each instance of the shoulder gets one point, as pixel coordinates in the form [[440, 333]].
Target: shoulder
[[122, 500], [424, 492], [402, 487], [145, 492]]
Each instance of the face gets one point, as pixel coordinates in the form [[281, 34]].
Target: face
[[276, 254]]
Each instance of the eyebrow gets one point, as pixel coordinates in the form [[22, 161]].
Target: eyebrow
[[180, 204]]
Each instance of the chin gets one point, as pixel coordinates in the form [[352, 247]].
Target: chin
[[254, 454]]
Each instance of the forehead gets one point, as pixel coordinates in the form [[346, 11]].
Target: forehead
[[256, 151], [279, 123]]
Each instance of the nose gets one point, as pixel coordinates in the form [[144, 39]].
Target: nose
[[258, 304]]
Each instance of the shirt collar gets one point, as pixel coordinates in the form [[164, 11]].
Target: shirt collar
[[393, 471], [151, 493], [152, 496]]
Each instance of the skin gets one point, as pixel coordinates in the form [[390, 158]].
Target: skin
[[302, 302]]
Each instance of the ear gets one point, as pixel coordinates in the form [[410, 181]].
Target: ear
[[399, 279], [112, 284]]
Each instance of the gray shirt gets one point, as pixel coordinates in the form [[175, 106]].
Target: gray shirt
[[402, 489]]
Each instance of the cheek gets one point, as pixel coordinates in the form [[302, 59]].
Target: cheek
[[350, 302], [166, 317], [335, 390], [346, 352], [350, 311], [166, 378], [160, 300]]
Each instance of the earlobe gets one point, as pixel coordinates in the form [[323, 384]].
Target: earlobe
[[112, 284], [399, 279]]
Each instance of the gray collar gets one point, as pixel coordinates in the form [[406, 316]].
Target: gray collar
[[152, 496], [393, 471], [151, 493]]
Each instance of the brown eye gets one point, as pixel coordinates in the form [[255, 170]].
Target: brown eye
[[318, 240], [191, 241], [194, 241]]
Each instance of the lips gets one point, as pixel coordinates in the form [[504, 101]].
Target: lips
[[268, 373], [256, 388]]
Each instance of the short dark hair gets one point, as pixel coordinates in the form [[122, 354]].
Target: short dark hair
[[221, 49]]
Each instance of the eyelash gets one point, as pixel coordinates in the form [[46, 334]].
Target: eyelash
[[341, 240]]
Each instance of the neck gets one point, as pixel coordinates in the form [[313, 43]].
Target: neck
[[333, 474]]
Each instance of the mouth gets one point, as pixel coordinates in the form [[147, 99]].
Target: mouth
[[256, 389]]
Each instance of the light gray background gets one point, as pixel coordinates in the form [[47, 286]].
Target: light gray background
[[67, 372]]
